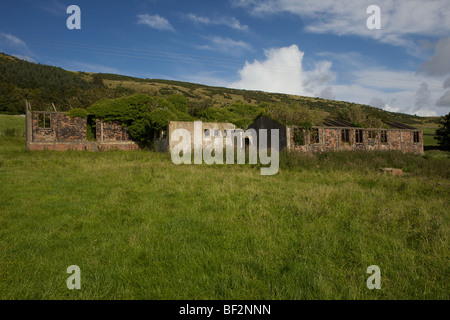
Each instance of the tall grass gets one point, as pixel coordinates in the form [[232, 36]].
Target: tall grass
[[140, 227], [432, 164], [12, 126]]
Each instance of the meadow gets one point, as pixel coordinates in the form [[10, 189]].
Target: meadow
[[140, 227]]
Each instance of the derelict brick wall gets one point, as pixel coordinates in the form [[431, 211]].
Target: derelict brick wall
[[64, 133], [112, 131], [40, 134], [62, 128], [69, 129], [82, 146], [330, 140]]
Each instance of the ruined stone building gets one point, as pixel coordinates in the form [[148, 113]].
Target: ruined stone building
[[58, 131], [206, 131], [340, 135]]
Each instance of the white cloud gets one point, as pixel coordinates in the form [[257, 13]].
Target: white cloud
[[22, 57], [155, 21], [231, 22], [397, 91], [282, 72], [422, 96], [14, 46], [89, 67], [447, 83], [54, 7], [327, 93], [399, 19], [226, 45], [11, 41], [444, 101], [439, 63]]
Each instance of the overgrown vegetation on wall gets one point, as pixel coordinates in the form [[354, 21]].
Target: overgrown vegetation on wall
[[142, 114]]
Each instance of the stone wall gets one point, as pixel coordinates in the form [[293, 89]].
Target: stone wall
[[111, 131], [210, 131], [60, 128], [58, 131], [330, 139]]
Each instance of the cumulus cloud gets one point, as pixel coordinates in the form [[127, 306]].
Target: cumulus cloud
[[377, 103], [282, 72], [444, 101], [327, 93], [422, 96], [399, 19], [439, 63], [321, 74], [231, 22], [155, 21], [447, 83]]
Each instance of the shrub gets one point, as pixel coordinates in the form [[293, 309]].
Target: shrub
[[77, 112], [443, 132], [179, 102], [142, 114]]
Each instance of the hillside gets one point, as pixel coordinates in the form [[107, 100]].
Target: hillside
[[43, 85]]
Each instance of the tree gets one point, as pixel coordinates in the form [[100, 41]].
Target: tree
[[443, 132], [353, 114]]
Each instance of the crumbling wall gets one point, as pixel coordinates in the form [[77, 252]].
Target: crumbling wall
[[58, 131], [330, 139], [111, 131]]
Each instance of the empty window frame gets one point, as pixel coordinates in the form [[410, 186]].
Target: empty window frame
[[216, 133], [315, 136], [359, 136], [299, 137], [207, 132], [371, 134], [416, 136], [345, 135], [383, 136], [44, 121]]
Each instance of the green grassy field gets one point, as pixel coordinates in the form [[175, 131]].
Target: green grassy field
[[428, 137], [140, 227]]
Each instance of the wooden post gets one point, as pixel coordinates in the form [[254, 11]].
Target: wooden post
[[28, 125]]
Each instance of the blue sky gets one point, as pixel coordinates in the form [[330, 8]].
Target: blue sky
[[303, 47]]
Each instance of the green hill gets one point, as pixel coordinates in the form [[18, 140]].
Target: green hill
[[43, 85]]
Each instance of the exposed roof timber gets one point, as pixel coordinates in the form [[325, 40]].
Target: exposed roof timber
[[398, 125], [336, 123], [344, 123]]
